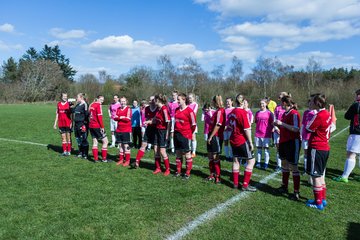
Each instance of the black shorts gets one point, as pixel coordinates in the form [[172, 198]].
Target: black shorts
[[63, 130], [149, 135], [242, 151], [96, 133], [289, 151], [181, 143], [160, 138], [122, 137], [316, 162], [214, 146]]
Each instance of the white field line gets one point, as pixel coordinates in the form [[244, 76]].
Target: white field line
[[222, 207], [26, 142]]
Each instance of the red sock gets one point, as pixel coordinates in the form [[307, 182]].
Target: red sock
[[285, 178], [318, 195], [121, 157], [296, 179], [247, 176], [211, 167], [324, 191], [69, 146], [95, 153], [217, 168], [236, 178], [127, 157], [178, 165], [167, 163], [104, 153], [139, 156], [157, 162], [188, 166], [64, 147]]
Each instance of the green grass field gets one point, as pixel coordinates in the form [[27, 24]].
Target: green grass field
[[46, 196]]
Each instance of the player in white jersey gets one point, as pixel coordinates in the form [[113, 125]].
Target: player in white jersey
[[195, 107]]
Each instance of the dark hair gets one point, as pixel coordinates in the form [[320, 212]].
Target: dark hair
[[99, 96], [115, 95], [206, 105], [319, 100], [289, 102], [175, 91], [61, 95], [161, 98], [357, 92], [239, 99], [183, 95]]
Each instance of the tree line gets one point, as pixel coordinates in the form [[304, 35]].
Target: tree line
[[43, 75]]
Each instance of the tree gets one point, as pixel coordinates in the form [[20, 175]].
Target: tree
[[89, 85], [10, 71], [236, 72], [313, 69]]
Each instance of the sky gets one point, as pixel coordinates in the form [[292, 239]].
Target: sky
[[115, 36]]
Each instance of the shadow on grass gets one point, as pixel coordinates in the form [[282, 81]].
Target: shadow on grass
[[353, 231]]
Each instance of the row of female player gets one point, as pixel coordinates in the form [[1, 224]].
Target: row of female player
[[158, 130]]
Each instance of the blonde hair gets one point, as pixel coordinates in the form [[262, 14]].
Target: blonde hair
[[217, 99]]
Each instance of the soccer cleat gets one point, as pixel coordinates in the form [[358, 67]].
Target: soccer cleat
[[158, 170], [85, 157], [283, 190], [127, 163], [341, 179], [278, 169], [177, 174], [104, 161], [249, 189], [258, 165], [312, 201], [265, 166], [167, 172], [135, 165], [119, 163], [186, 177], [217, 180], [295, 196], [79, 155], [64, 154], [68, 153], [317, 206], [95, 161], [210, 178]]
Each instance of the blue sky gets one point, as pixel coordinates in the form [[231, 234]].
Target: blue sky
[[118, 35]]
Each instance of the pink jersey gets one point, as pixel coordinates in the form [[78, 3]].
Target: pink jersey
[[279, 111], [264, 121], [250, 115], [207, 120], [227, 112], [307, 116], [113, 108], [142, 115], [172, 107], [194, 106]]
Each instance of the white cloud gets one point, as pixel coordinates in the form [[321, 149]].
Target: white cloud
[[6, 27], [71, 34], [8, 47]]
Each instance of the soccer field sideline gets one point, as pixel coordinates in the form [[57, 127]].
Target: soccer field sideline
[[208, 215]]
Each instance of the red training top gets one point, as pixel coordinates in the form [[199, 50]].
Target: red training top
[[162, 118], [64, 114], [291, 117], [319, 126], [123, 117], [185, 122], [238, 122], [96, 116], [218, 118]]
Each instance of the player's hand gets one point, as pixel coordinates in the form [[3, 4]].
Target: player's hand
[[251, 147], [54, 126], [209, 140], [277, 123]]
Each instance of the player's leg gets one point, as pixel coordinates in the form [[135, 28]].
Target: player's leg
[[95, 149], [64, 143], [236, 171], [127, 152]]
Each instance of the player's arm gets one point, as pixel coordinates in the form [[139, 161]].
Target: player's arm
[[292, 128], [56, 119], [248, 138], [350, 113]]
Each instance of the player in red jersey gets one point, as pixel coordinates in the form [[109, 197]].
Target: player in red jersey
[[185, 124], [123, 131], [150, 130], [97, 131], [163, 123], [241, 143], [216, 129], [63, 120], [289, 145], [318, 150]]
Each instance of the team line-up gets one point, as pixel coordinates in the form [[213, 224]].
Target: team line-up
[[161, 123]]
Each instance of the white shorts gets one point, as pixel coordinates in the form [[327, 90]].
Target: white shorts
[[262, 142], [353, 143], [172, 124], [206, 136], [276, 138], [227, 135], [305, 144], [113, 125]]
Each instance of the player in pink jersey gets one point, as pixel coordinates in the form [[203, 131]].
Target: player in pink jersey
[[279, 111], [195, 107], [264, 126], [185, 124], [289, 146], [227, 132], [113, 124], [206, 118], [319, 149], [63, 121], [241, 144], [123, 132], [97, 129], [173, 105], [248, 110], [163, 124], [213, 143], [305, 134]]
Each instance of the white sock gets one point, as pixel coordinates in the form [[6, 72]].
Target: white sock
[[267, 155], [349, 166], [305, 162], [113, 139], [259, 153], [278, 160], [226, 150], [149, 145], [171, 143], [193, 146]]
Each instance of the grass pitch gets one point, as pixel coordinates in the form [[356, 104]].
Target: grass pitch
[[46, 196]]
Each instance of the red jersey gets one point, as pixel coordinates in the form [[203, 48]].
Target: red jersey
[[185, 122], [218, 118], [150, 114], [96, 116], [238, 122], [319, 126], [123, 117], [291, 117], [162, 118], [64, 114]]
